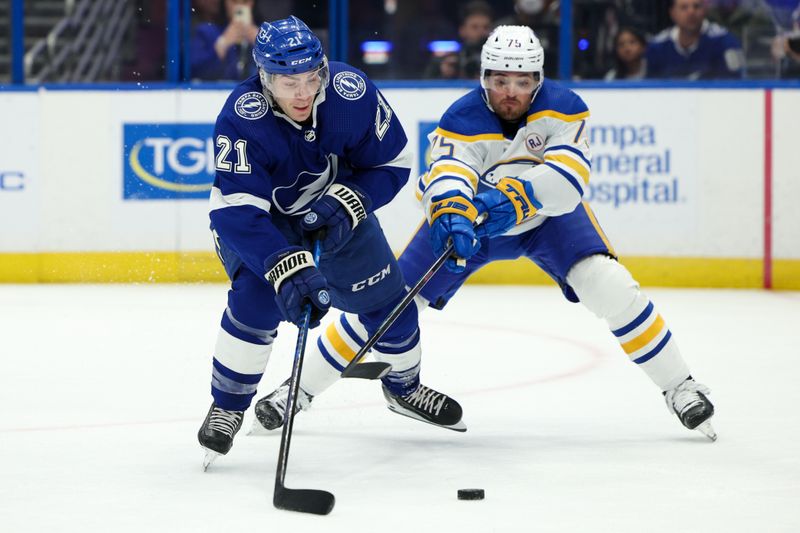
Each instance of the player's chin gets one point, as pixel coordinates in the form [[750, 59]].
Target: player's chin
[[511, 112], [301, 113]]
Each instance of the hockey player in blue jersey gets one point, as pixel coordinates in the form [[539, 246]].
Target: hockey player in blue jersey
[[304, 150], [516, 150]]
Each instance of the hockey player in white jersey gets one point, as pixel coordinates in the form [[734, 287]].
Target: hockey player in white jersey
[[516, 150]]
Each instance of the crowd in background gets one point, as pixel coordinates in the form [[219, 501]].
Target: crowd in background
[[441, 39]]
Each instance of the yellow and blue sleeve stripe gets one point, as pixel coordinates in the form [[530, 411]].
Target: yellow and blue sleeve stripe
[[570, 163], [451, 168], [564, 117], [645, 336]]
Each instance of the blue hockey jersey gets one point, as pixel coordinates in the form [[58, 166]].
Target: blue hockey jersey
[[270, 168], [717, 55]]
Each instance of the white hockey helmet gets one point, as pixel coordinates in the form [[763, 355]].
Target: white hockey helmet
[[512, 49]]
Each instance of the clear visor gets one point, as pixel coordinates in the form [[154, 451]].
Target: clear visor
[[303, 85], [512, 83]]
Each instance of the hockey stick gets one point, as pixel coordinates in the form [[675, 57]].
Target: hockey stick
[[378, 369], [300, 500]]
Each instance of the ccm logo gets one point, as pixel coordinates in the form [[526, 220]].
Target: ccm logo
[[372, 280], [300, 61]]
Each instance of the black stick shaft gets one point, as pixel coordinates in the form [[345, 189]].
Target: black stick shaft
[[399, 308], [294, 386]]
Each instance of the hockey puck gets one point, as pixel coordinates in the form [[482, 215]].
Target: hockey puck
[[470, 494]]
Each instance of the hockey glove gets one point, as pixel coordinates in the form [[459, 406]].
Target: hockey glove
[[336, 214], [510, 203], [452, 217], [296, 281]]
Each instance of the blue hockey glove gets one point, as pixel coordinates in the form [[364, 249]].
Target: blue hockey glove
[[296, 281], [510, 203], [452, 217], [336, 214]]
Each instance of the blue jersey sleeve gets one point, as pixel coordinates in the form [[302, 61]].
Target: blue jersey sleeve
[[241, 194], [378, 151]]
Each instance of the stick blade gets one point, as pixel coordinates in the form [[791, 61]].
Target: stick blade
[[303, 500], [369, 370]]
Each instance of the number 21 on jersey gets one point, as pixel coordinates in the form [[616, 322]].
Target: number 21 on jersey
[[222, 164]]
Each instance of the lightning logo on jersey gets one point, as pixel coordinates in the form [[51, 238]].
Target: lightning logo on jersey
[[310, 185]]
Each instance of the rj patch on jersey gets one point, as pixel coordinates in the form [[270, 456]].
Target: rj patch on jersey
[[251, 106]]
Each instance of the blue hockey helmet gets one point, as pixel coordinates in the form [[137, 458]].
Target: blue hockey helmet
[[287, 46]]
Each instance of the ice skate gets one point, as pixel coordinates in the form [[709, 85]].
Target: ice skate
[[689, 402], [271, 409], [427, 405], [217, 432]]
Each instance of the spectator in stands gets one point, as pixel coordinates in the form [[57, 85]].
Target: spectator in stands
[[786, 45], [444, 67], [474, 27], [542, 17], [222, 50], [694, 48], [629, 49]]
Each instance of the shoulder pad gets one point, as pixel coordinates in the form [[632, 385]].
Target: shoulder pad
[[555, 98], [469, 115]]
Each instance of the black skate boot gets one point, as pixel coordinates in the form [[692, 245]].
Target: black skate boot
[[427, 405], [271, 409], [217, 432], [689, 402]]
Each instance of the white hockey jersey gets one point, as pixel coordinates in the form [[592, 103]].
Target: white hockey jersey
[[550, 149]]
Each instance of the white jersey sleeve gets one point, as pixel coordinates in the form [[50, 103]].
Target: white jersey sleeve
[[559, 183]]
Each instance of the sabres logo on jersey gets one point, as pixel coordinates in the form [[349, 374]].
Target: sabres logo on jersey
[[349, 85], [251, 106]]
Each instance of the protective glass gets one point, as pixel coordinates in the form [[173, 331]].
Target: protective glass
[[502, 83], [298, 85]]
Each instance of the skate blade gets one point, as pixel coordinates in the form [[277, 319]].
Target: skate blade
[[257, 430], [210, 457], [458, 426], [706, 429]]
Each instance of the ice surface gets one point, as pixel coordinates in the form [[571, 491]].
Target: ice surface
[[103, 388]]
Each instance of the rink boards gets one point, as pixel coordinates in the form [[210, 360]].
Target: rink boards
[[694, 187]]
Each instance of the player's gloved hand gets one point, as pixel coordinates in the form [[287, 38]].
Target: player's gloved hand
[[511, 202], [297, 281], [452, 218], [336, 214]]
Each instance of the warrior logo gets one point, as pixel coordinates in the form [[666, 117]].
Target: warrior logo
[[349, 85]]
